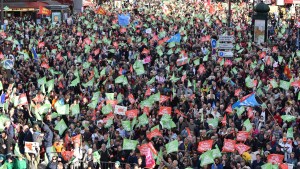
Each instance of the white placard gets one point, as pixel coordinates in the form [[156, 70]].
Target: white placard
[[31, 147], [121, 110]]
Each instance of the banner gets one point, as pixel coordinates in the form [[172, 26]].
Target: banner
[[275, 158], [120, 110], [205, 145], [31, 147], [172, 146], [132, 113], [44, 11], [242, 136], [229, 145], [241, 148], [154, 133], [164, 110], [129, 144]]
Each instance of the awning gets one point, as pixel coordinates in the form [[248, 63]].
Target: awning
[[17, 5], [89, 3]]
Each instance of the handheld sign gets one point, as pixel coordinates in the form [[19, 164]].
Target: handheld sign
[[8, 64]]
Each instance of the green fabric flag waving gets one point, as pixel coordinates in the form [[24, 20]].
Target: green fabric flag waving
[[213, 122], [126, 125], [290, 133], [207, 158], [106, 109], [50, 85], [288, 118], [129, 144], [61, 126], [75, 109], [248, 125], [143, 120], [216, 152], [284, 85], [172, 146]]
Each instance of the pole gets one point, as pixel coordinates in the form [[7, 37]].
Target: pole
[[229, 13], [2, 12]]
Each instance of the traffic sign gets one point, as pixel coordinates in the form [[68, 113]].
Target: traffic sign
[[226, 38], [225, 54], [213, 43], [225, 45]]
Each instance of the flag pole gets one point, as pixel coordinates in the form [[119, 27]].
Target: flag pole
[[268, 110]]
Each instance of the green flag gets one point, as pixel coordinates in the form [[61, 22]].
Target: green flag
[[120, 98], [216, 152], [3, 120], [102, 73], [17, 150], [207, 158], [213, 122], [196, 62], [290, 133], [89, 83], [155, 97], [172, 146], [96, 72], [288, 118], [240, 110], [62, 109], [50, 85], [61, 126], [284, 85], [126, 125], [138, 67], [1, 86], [273, 83], [143, 120], [151, 81], [110, 96], [75, 109], [75, 82], [269, 166], [42, 81], [3, 166], [129, 144], [106, 109], [159, 157], [155, 127], [93, 104], [120, 79], [44, 108], [248, 125], [96, 156], [109, 123]]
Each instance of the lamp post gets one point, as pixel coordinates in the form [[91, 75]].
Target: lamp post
[[2, 12], [229, 13]]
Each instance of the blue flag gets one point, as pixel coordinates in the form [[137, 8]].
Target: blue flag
[[34, 54], [247, 101], [175, 38], [3, 98], [124, 20]]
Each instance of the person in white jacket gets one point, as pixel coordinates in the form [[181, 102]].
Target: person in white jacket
[[285, 147]]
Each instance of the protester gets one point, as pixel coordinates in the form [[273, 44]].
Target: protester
[[142, 86]]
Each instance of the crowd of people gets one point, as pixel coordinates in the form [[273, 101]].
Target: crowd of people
[[141, 86]]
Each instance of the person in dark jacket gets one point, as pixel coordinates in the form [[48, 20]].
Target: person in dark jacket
[[258, 162], [48, 138], [7, 143]]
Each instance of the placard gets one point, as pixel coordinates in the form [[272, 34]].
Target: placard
[[31, 147]]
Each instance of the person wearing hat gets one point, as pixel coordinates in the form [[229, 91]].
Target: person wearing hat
[[286, 148], [117, 165]]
